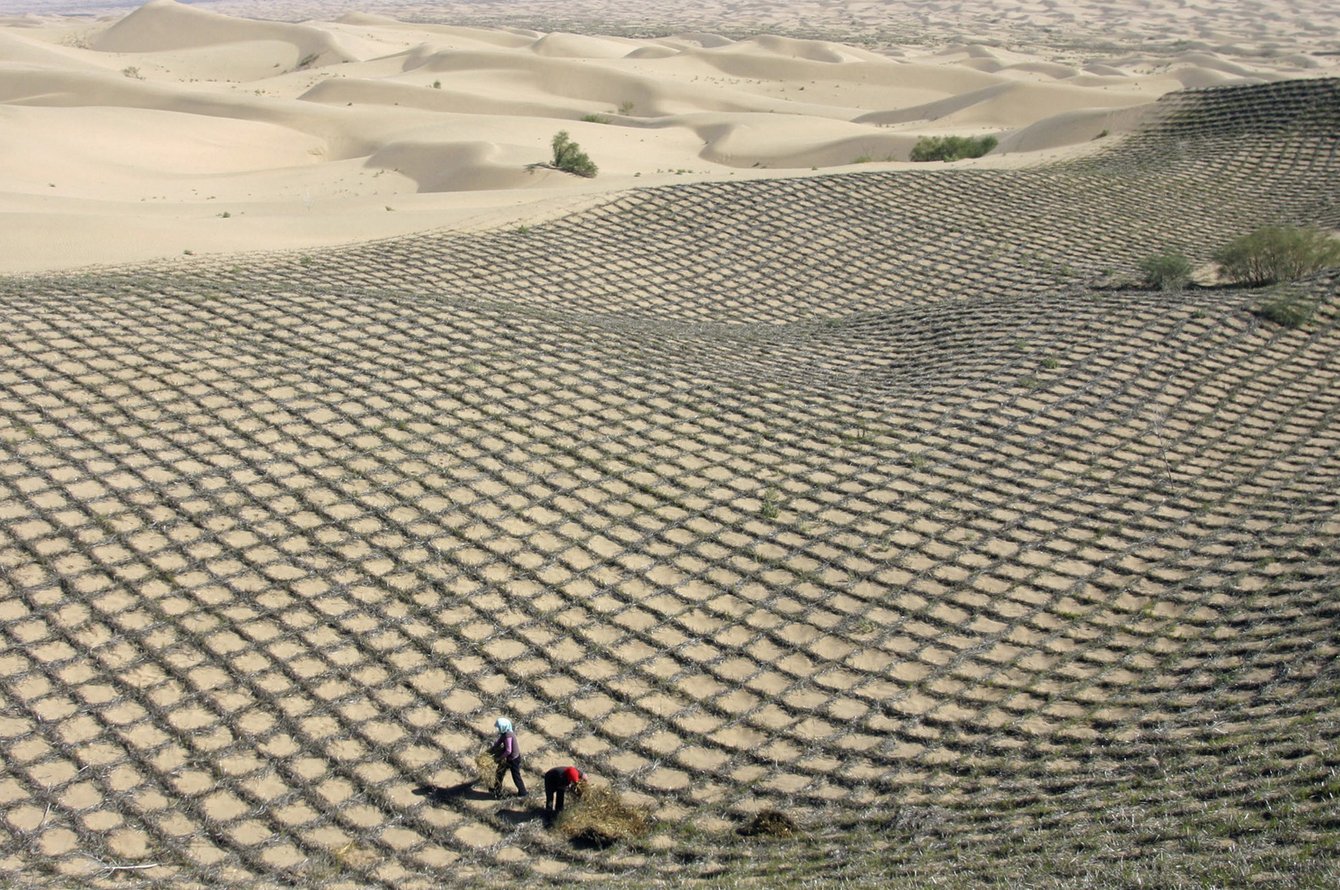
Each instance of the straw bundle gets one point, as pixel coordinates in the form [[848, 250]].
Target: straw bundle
[[487, 767], [599, 817], [770, 823]]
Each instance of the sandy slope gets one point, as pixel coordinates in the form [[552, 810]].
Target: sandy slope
[[875, 498], [176, 129]]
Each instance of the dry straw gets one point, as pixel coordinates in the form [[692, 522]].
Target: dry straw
[[771, 823], [599, 816], [487, 767]]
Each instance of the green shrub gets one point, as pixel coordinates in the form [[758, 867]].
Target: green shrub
[[569, 157], [1291, 311], [1277, 253], [952, 148], [1167, 271]]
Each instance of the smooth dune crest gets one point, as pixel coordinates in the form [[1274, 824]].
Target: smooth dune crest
[[391, 124]]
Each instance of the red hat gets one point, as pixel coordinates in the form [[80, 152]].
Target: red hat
[[574, 775]]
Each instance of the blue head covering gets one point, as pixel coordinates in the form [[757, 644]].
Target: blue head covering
[[503, 724]]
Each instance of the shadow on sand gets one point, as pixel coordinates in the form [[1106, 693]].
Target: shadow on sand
[[465, 790], [520, 817]]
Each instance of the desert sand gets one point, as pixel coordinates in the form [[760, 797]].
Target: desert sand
[[744, 476], [172, 129]]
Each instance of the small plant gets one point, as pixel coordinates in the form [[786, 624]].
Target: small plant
[[132, 72], [1102, 134], [307, 60], [1292, 311], [1168, 271], [626, 107], [595, 119], [569, 157], [437, 84], [1277, 253], [952, 148]]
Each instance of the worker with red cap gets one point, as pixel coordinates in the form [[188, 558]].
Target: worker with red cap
[[557, 782]]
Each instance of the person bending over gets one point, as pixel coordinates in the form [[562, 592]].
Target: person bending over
[[557, 782]]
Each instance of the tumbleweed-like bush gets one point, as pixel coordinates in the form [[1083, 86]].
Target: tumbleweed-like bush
[[1168, 271], [952, 148], [1277, 253], [569, 157]]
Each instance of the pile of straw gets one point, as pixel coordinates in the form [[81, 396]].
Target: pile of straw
[[770, 823], [600, 817], [488, 769]]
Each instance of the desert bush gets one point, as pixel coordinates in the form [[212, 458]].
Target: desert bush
[[569, 157], [1290, 310], [952, 148], [1167, 271], [1277, 253]]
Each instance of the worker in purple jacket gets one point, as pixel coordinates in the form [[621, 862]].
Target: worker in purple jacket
[[508, 755]]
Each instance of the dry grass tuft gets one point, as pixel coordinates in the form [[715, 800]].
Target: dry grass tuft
[[771, 823], [600, 817]]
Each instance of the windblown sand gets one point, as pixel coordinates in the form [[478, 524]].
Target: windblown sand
[[172, 130]]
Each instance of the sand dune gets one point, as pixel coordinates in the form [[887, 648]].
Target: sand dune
[[1005, 106], [186, 108]]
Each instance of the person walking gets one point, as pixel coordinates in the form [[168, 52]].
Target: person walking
[[557, 782], [508, 755]]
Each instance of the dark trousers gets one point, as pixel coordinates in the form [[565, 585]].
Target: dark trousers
[[515, 766], [555, 786]]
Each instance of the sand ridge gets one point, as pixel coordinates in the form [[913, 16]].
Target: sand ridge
[[204, 132]]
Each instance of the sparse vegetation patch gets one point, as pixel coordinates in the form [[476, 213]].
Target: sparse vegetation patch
[[1277, 253], [952, 148], [1289, 310], [569, 157], [1167, 271]]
